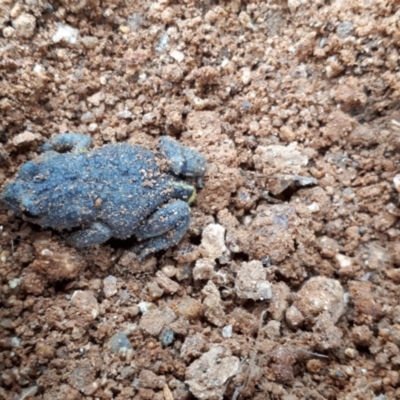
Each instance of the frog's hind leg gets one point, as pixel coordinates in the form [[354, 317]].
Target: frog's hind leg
[[165, 228], [74, 142], [96, 233]]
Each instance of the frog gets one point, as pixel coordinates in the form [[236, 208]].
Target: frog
[[119, 190]]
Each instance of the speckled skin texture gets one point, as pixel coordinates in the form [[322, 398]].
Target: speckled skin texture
[[116, 191]]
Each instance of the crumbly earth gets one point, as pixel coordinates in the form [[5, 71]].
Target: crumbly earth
[[295, 104]]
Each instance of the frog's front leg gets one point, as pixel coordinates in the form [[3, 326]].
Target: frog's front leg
[[165, 228], [74, 142], [96, 233]]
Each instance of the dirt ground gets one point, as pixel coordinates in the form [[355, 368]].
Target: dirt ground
[[286, 285]]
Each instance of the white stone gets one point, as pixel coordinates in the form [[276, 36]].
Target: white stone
[[344, 261], [203, 269], [313, 207], [177, 55], [227, 331], [213, 241], [246, 76], [66, 33], [110, 286], [145, 306]]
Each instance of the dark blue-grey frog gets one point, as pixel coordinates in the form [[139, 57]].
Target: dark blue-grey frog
[[118, 190]]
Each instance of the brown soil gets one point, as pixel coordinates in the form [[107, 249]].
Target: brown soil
[[286, 285]]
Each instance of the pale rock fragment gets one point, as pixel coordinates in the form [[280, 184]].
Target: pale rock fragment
[[24, 138], [86, 302], [204, 269], [154, 321], [8, 32], [293, 5], [90, 42], [272, 330], [96, 98], [278, 183], [188, 308], [193, 346], [344, 262], [327, 246], [213, 241], [178, 56], [294, 317], [146, 306], [166, 283], [319, 295], [251, 282], [110, 286], [246, 76], [154, 291], [212, 304], [66, 33], [208, 376], [227, 331], [24, 25], [148, 379], [279, 301], [277, 159], [327, 336], [286, 134]]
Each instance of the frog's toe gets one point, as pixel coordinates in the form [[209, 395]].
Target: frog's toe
[[96, 233], [75, 142], [165, 228], [183, 160]]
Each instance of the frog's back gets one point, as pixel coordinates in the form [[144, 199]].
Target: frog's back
[[111, 184]]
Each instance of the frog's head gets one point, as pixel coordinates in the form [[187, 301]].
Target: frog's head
[[17, 195], [183, 160], [20, 202]]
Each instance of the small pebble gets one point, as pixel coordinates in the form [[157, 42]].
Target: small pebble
[[110, 286], [167, 337], [25, 25], [90, 42], [213, 241], [119, 342], [177, 55], [85, 301], [203, 269], [251, 283], [167, 284], [66, 33], [145, 306], [227, 331], [344, 29], [24, 138]]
